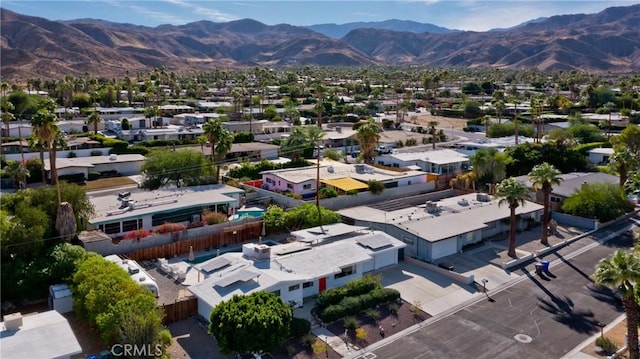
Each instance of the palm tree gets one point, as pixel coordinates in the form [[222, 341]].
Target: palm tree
[[367, 137], [319, 90], [201, 140], [214, 131], [295, 144], [623, 160], [225, 142], [94, 120], [621, 272], [543, 177], [514, 194], [18, 172], [490, 166], [433, 132]]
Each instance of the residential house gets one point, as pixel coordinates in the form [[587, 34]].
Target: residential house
[[170, 132], [318, 259], [128, 164], [439, 161], [341, 176], [436, 229], [600, 156], [118, 214], [571, 183], [41, 335]]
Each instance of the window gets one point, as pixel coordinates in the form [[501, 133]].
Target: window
[[555, 199], [294, 287], [111, 228], [131, 225], [289, 186], [276, 292], [407, 240], [396, 165], [345, 272], [307, 284], [306, 186]]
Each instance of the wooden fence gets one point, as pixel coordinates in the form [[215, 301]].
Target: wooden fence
[[230, 235], [180, 310]]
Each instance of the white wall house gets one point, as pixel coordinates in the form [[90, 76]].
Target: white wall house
[[116, 215], [129, 164], [437, 229], [438, 161], [312, 264], [344, 177], [600, 156]]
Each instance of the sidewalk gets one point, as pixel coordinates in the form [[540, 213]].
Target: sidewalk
[[576, 353]]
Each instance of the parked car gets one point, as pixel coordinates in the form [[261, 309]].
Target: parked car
[[383, 150]]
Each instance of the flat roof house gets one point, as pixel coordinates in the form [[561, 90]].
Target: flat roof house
[[128, 164], [343, 177], [438, 161], [321, 258], [436, 229], [118, 214], [42, 335]]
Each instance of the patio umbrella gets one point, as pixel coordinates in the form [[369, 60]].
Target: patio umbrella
[[191, 255]]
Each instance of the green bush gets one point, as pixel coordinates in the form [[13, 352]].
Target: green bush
[[603, 201], [607, 345], [94, 175], [327, 192], [331, 297], [355, 304], [299, 327], [72, 178], [375, 186], [72, 154], [363, 285], [351, 323]]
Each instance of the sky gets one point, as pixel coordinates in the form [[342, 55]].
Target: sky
[[473, 15]]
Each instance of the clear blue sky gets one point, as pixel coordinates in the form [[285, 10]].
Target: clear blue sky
[[477, 15]]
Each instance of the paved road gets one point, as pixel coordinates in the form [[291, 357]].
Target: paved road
[[555, 313]]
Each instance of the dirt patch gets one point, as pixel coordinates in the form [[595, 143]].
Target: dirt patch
[[388, 323], [616, 334], [443, 122], [295, 349], [104, 183], [88, 337]]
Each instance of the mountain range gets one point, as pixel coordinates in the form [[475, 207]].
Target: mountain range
[[37, 47]]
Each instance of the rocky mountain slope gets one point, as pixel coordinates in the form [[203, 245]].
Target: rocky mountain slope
[[37, 47]]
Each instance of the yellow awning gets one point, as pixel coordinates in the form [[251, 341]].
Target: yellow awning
[[345, 184]]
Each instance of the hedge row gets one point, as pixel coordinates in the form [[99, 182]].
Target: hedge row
[[354, 288], [354, 305]]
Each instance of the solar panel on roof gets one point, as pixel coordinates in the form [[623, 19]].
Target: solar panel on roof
[[214, 264], [241, 275], [375, 242]]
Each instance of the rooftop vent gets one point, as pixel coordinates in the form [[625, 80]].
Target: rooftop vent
[[360, 168], [431, 207], [330, 169], [483, 197], [463, 202], [13, 321]]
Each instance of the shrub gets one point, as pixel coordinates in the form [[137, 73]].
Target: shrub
[[375, 187], [72, 154], [372, 314], [96, 153], [607, 345], [363, 285], [331, 296], [213, 217], [352, 192], [299, 327], [168, 227], [94, 175], [361, 334], [137, 234], [72, 178], [307, 340], [351, 323], [410, 142], [393, 307], [328, 192]]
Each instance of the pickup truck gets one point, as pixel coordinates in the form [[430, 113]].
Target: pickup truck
[[383, 150]]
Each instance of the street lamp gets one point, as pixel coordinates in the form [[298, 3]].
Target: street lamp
[[484, 285], [601, 325]]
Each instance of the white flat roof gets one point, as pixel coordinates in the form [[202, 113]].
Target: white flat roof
[[452, 219], [42, 335], [289, 269], [604, 151], [325, 232], [439, 157], [333, 170], [107, 207], [92, 161]]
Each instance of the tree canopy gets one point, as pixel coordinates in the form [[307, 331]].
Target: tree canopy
[[303, 216], [602, 201], [254, 323], [181, 168]]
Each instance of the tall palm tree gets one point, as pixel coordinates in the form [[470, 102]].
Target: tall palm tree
[[367, 137], [213, 130], [319, 91], [543, 177], [295, 144], [622, 272], [225, 142], [43, 124], [514, 194], [623, 160]]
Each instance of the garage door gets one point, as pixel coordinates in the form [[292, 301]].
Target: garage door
[[385, 259], [444, 248]]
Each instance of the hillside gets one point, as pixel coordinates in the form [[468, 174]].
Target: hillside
[[37, 47]]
